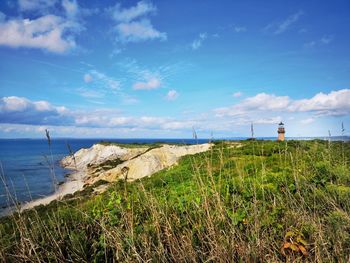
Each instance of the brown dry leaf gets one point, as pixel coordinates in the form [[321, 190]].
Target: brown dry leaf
[[303, 250], [286, 245]]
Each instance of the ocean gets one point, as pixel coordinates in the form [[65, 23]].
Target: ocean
[[26, 165]]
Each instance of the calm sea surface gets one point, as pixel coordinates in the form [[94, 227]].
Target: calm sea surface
[[25, 164]]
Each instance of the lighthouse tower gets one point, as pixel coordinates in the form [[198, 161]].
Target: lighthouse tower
[[281, 132]]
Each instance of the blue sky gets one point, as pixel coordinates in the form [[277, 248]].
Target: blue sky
[[159, 68]]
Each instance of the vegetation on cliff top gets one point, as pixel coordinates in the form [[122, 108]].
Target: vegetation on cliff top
[[248, 201]]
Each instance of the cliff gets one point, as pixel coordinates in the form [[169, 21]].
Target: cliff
[[112, 162]]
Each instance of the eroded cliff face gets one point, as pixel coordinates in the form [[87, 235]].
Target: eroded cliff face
[[112, 162], [98, 154]]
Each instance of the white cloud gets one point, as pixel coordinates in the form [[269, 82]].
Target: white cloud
[[88, 78], [17, 110], [88, 11], [284, 25], [112, 119], [137, 31], [133, 70], [172, 95], [249, 120], [105, 81], [13, 104], [307, 121], [326, 39], [115, 52], [133, 24], [23, 111], [149, 79], [335, 103], [71, 7], [270, 120], [310, 44], [49, 32], [102, 85], [98, 118], [260, 102], [148, 120], [43, 105], [142, 8], [239, 29], [178, 125], [197, 43], [151, 83], [93, 94], [35, 5], [237, 94], [263, 101], [21, 130], [127, 99]]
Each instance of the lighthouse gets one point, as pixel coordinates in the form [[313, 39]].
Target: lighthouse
[[281, 132]]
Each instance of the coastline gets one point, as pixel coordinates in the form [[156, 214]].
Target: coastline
[[74, 183], [105, 160]]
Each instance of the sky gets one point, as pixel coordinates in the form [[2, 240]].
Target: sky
[[159, 69]]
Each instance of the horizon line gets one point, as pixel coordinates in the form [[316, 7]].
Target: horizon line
[[169, 138]]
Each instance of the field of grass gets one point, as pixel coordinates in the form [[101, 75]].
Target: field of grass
[[247, 201]]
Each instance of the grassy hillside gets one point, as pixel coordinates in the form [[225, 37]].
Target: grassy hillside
[[249, 201]]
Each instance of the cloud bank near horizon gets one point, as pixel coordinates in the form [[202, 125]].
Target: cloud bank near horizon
[[261, 109]]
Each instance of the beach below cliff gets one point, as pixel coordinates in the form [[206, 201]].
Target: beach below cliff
[[74, 183]]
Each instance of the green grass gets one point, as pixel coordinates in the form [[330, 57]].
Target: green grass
[[248, 201], [126, 145], [138, 145]]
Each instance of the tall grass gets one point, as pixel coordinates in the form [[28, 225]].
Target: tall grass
[[249, 201]]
